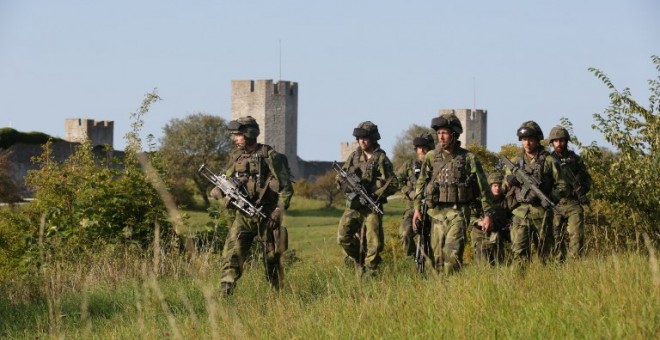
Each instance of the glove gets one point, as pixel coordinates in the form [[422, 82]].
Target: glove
[[512, 180]]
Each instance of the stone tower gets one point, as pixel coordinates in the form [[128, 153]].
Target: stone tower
[[474, 125], [99, 133], [275, 107]]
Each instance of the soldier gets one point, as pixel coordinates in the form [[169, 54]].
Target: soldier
[[451, 178], [407, 175], [360, 226], [488, 247], [531, 222], [265, 176], [571, 215]]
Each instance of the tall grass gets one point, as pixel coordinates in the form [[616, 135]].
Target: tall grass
[[119, 296]]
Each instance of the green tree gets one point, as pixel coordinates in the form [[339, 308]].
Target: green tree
[[8, 188], [325, 188], [627, 181], [487, 158], [186, 145], [403, 147]]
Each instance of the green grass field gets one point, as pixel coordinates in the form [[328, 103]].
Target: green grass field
[[607, 296]]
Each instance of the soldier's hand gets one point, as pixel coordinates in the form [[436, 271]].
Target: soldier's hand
[[417, 217], [345, 187], [487, 223], [216, 193]]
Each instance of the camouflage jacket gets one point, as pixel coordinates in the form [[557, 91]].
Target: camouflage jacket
[[462, 161], [546, 168], [575, 173], [376, 173], [265, 174], [407, 175]]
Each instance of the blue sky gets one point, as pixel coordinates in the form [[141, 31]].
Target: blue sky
[[392, 62]]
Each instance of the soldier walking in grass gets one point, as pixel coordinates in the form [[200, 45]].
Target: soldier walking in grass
[[451, 177], [532, 222], [360, 231], [569, 218], [488, 246], [407, 175], [264, 176]]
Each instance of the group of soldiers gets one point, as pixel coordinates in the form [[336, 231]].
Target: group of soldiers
[[446, 189], [498, 208]]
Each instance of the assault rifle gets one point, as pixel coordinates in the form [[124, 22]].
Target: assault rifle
[[576, 184], [529, 183], [357, 190], [234, 190], [423, 241]]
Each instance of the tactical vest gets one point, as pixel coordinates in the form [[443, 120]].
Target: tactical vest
[[365, 170], [451, 181], [252, 169], [536, 170]]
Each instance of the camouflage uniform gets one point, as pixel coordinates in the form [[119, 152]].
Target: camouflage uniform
[[570, 218], [266, 177], [378, 178], [531, 223], [488, 247], [407, 175], [448, 182]]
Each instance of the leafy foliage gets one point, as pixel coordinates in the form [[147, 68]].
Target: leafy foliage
[[186, 145], [85, 203], [626, 181], [325, 188], [403, 148]]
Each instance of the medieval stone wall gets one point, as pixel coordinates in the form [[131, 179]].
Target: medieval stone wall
[[275, 107], [98, 132]]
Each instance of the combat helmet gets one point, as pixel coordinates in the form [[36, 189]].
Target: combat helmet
[[424, 139], [559, 132], [447, 120], [246, 126], [495, 177], [530, 129], [367, 129]]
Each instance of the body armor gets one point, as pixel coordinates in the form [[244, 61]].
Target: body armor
[[535, 170], [252, 169], [451, 182]]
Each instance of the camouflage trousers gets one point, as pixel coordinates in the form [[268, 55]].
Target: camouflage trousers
[[531, 228], [448, 235], [350, 239], [407, 234], [568, 230], [487, 248], [241, 235]]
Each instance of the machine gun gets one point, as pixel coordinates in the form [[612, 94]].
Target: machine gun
[[529, 183], [357, 190], [235, 191], [423, 241]]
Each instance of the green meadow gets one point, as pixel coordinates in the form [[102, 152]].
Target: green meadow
[[118, 296]]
